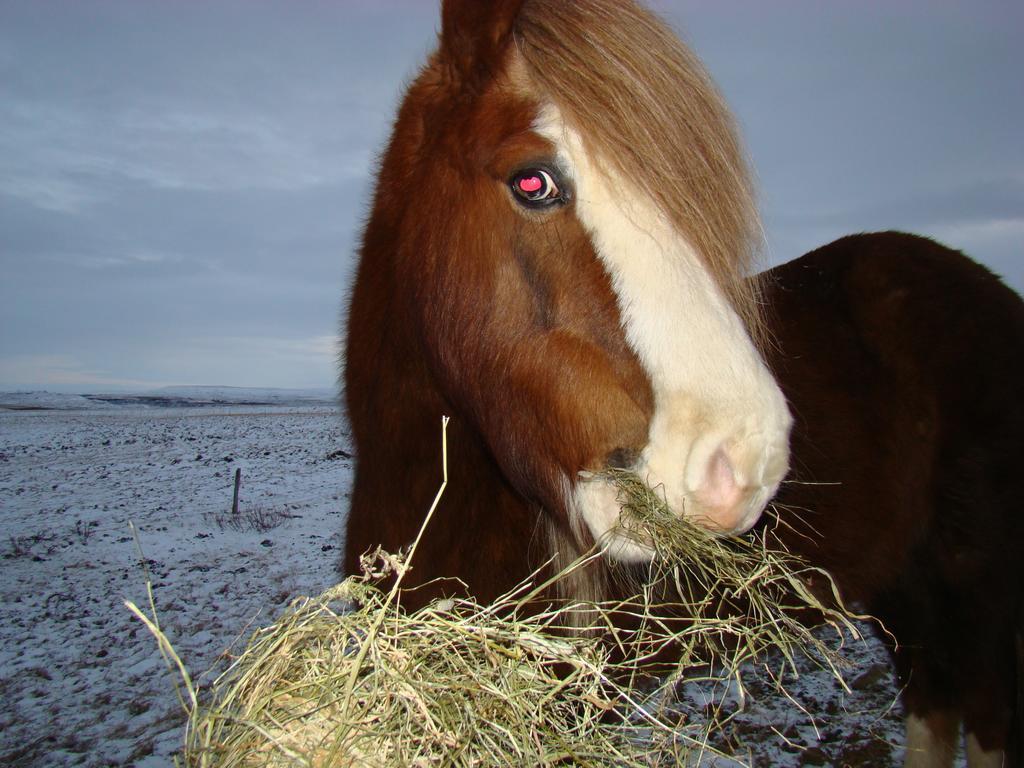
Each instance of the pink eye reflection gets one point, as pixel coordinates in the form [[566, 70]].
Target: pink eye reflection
[[531, 184]]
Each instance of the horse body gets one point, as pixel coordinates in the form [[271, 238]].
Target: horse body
[[555, 258], [901, 362]]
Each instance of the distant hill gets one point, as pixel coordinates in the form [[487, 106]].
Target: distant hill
[[169, 397], [47, 401]]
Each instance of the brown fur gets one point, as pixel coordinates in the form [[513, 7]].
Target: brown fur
[[901, 359], [512, 329]]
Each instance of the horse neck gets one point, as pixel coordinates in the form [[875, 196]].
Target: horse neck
[[483, 531]]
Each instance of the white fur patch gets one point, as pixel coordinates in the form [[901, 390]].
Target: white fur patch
[[977, 757], [712, 390], [926, 748]]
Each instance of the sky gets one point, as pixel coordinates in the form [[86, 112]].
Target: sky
[[182, 184]]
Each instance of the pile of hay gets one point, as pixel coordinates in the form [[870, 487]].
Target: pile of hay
[[350, 678]]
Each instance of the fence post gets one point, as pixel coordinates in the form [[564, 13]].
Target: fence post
[[234, 502]]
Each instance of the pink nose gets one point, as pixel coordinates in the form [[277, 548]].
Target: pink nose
[[723, 503]]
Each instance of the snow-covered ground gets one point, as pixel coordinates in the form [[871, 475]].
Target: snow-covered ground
[[81, 681]]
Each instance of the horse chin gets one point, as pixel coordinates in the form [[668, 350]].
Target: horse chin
[[596, 504], [625, 548]]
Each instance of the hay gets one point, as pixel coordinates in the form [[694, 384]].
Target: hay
[[743, 596], [350, 678]]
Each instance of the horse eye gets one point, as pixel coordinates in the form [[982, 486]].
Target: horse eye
[[535, 188]]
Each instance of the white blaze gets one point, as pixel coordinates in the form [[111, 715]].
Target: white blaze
[[719, 435]]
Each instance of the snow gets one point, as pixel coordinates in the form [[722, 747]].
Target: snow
[[81, 681]]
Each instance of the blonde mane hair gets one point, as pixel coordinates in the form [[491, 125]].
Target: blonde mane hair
[[647, 109]]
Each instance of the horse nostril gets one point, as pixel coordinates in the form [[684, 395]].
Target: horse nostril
[[719, 491], [622, 458]]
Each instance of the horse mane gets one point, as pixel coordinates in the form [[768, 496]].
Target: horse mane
[[647, 109]]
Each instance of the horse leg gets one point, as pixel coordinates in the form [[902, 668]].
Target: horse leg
[[988, 714], [931, 740], [988, 673], [921, 656]]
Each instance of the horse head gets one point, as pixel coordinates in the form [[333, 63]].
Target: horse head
[[558, 257]]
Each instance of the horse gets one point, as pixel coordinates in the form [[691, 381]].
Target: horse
[[559, 256], [901, 361]]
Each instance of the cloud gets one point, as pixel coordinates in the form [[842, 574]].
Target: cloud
[[988, 230], [66, 159], [123, 261], [314, 348], [206, 96], [61, 372], [240, 360], [984, 202], [301, 363]]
